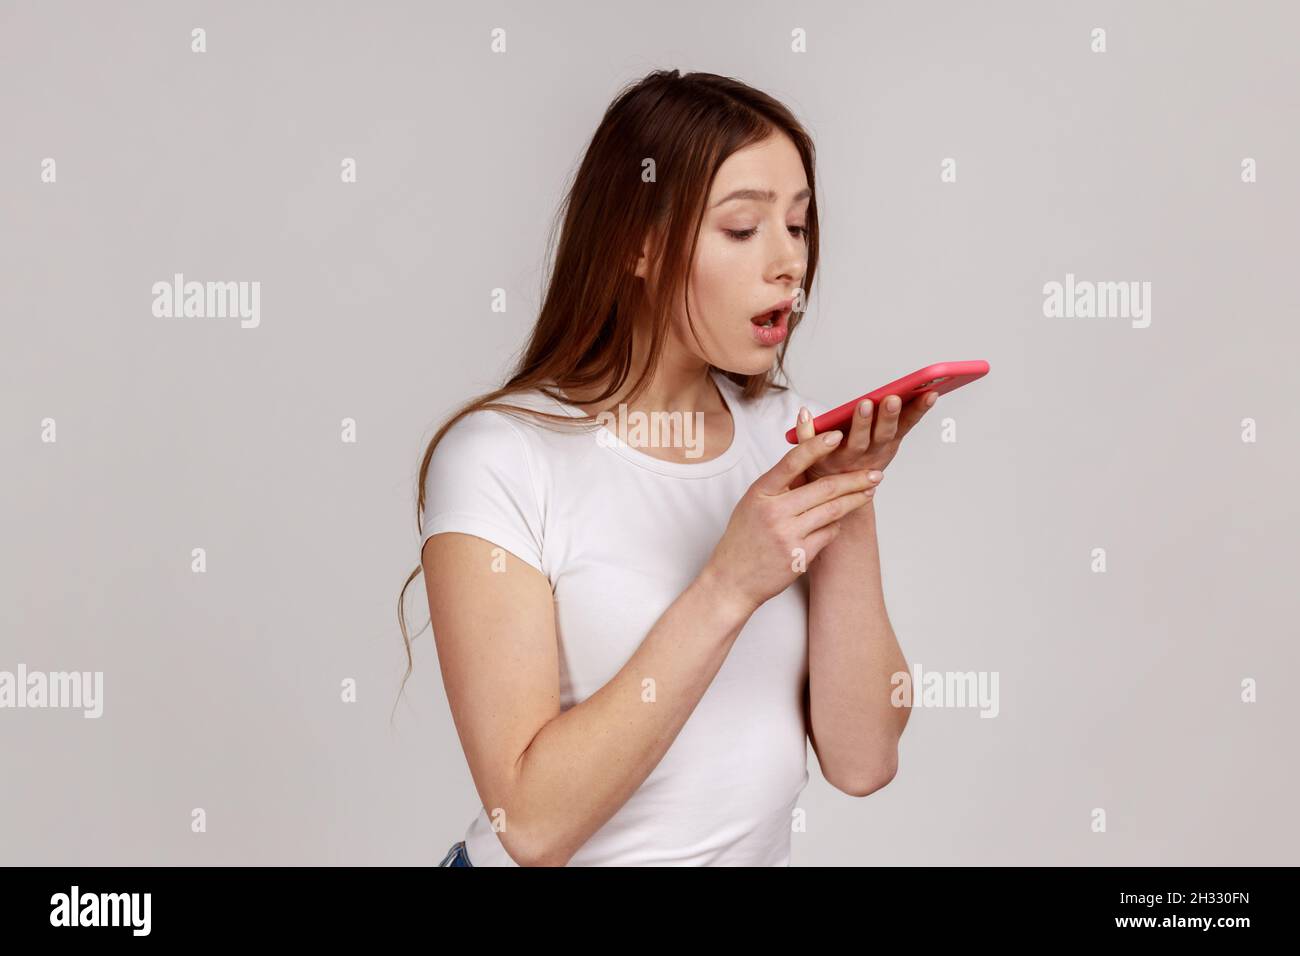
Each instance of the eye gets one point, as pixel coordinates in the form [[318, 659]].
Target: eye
[[740, 235]]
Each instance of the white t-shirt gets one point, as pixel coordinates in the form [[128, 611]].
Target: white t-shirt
[[620, 534]]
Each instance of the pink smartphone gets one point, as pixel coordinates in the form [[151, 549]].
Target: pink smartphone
[[940, 377]]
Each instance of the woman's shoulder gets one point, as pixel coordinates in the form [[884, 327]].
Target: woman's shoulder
[[510, 412], [504, 434]]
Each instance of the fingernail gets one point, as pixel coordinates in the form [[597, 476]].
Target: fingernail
[[833, 437], [804, 415], [865, 408], [875, 475]]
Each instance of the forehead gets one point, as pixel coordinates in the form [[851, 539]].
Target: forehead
[[773, 164]]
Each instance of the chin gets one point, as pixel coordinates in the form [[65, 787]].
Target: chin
[[757, 364]]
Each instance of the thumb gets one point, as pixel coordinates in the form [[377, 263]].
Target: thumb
[[803, 428]]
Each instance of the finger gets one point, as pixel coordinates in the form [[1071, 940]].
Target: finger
[[804, 427], [831, 511], [887, 419], [860, 432], [829, 488], [815, 542], [796, 461], [915, 410], [804, 430]]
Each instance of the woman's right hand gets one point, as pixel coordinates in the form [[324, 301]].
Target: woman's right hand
[[776, 531]]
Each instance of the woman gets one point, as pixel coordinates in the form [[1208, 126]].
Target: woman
[[638, 638]]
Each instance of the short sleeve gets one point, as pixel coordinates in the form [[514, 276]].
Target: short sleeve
[[480, 482]]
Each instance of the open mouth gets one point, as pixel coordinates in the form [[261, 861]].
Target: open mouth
[[769, 319]]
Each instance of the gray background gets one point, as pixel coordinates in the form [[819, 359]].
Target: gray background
[[1118, 690]]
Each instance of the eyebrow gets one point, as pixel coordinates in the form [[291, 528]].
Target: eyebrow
[[765, 195]]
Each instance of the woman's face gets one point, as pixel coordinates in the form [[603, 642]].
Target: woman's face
[[750, 256]]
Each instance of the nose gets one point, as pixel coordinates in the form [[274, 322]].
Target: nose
[[790, 259], [789, 267]]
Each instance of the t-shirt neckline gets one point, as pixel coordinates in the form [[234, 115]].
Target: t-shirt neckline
[[679, 469]]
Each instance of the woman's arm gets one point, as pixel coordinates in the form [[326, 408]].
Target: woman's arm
[[852, 654], [548, 779]]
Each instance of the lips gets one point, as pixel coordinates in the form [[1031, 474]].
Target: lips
[[773, 334], [774, 314]]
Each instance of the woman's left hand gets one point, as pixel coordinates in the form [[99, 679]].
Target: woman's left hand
[[862, 449]]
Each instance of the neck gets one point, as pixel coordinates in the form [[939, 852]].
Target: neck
[[681, 383]]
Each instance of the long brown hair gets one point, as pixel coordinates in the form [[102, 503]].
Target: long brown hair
[[687, 125]]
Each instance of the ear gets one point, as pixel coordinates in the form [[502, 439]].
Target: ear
[[647, 250]]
